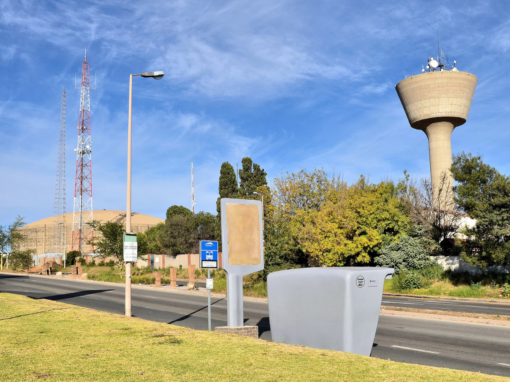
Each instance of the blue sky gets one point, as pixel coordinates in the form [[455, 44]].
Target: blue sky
[[291, 84]]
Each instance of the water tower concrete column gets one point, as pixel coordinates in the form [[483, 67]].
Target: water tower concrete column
[[440, 150]]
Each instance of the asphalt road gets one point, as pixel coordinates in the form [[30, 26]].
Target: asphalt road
[[471, 347], [450, 306]]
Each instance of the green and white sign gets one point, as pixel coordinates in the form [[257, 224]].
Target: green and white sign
[[130, 247]]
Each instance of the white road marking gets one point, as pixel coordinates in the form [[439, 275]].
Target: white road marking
[[420, 350], [504, 364], [404, 303]]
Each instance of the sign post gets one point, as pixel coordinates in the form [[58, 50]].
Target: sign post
[[130, 255], [209, 259]]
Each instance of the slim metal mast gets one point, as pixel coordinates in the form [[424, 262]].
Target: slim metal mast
[[192, 190], [82, 210], [58, 244]]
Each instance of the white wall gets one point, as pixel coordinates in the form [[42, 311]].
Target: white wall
[[456, 263]]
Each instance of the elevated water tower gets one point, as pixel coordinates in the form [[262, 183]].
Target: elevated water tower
[[436, 102]]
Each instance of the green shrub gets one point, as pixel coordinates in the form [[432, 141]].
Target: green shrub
[[411, 281], [406, 281], [111, 277], [147, 280], [258, 289], [506, 290], [56, 267], [409, 253], [220, 285], [476, 286], [71, 257], [21, 260], [82, 261], [434, 272]]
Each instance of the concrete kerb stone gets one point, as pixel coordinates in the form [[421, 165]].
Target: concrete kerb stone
[[246, 331]]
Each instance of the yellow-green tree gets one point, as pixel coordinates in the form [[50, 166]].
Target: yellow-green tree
[[351, 224]]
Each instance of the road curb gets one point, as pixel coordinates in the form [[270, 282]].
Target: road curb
[[440, 298]]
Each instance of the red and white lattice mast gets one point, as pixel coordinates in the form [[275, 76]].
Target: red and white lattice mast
[[192, 190], [82, 211]]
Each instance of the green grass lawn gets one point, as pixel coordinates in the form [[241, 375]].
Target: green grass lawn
[[44, 340]]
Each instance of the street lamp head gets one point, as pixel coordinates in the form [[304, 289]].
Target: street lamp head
[[155, 75]]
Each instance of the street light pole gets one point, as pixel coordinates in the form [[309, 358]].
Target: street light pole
[[156, 76], [128, 206]]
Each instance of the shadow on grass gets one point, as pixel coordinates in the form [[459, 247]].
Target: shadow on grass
[[31, 314], [183, 318]]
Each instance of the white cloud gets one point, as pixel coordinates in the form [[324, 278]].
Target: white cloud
[[8, 52]]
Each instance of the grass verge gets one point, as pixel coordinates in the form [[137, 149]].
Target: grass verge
[[47, 340], [446, 288]]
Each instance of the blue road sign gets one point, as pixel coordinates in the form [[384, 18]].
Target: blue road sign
[[209, 254]]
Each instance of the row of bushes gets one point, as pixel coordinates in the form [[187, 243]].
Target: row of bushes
[[435, 281]]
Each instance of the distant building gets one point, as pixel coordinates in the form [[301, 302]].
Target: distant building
[[39, 233]]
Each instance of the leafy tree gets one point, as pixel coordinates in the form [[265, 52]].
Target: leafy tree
[[352, 225], [22, 260], [251, 176], [151, 236], [177, 235], [434, 211], [227, 184], [409, 253], [177, 210], [488, 241], [227, 189], [281, 249], [303, 191], [182, 233], [205, 227], [110, 242], [293, 195], [484, 194], [3, 245], [475, 181], [11, 237], [71, 257]]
